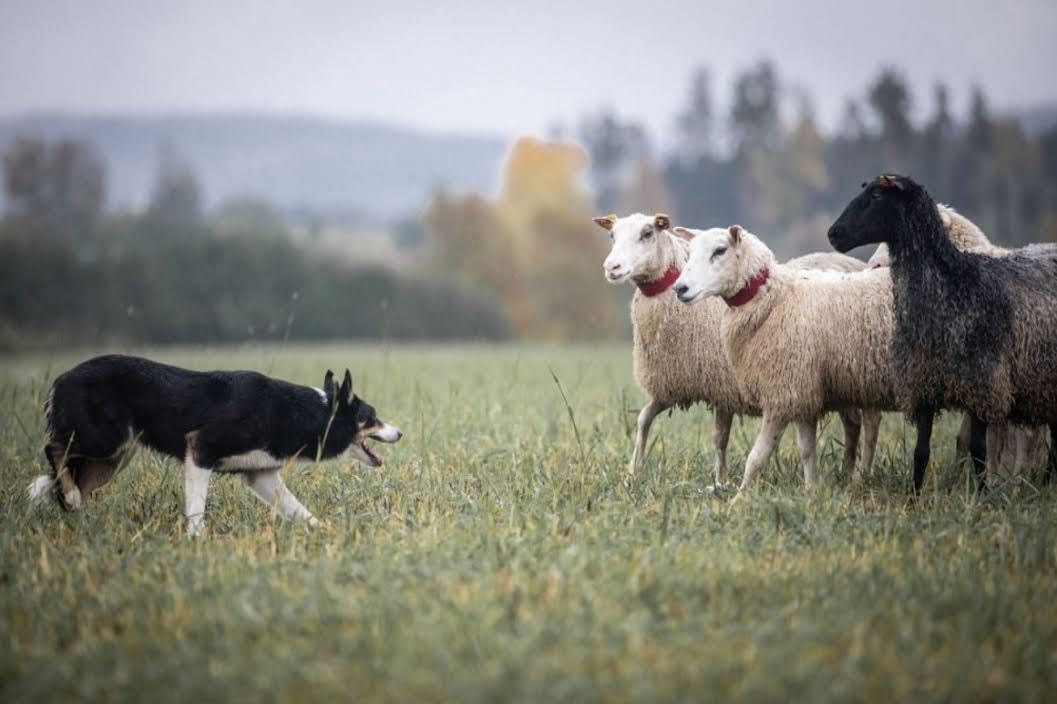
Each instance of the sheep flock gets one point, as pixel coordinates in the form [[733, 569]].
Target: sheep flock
[[938, 319]]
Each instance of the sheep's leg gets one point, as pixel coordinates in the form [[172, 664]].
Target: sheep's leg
[[961, 442], [720, 436], [852, 421], [923, 419], [999, 438], [871, 422], [770, 430], [1051, 465], [642, 433], [978, 451], [805, 440]]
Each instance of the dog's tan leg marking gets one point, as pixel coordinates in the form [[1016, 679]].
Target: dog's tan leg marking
[[96, 473], [269, 487]]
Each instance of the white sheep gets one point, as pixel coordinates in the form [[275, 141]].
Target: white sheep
[[800, 343], [678, 355]]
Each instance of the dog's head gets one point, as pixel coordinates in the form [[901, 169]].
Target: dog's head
[[354, 421]]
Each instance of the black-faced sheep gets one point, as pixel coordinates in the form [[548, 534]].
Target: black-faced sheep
[[972, 332], [1010, 448]]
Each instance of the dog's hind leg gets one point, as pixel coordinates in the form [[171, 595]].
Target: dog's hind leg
[[269, 487], [96, 473], [63, 469]]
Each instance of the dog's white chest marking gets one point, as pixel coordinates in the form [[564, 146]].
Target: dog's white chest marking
[[254, 459]]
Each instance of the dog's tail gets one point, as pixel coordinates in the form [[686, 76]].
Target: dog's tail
[[45, 484], [41, 487]]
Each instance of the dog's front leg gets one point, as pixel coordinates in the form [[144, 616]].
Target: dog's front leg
[[196, 486], [270, 488]]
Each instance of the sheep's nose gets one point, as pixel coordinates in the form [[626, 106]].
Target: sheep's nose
[[681, 289]]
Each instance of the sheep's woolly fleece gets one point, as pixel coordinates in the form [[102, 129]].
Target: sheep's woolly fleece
[[809, 342], [963, 233], [678, 355], [972, 332]]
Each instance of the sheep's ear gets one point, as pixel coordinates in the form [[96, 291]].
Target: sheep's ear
[[888, 181], [328, 384], [661, 221], [607, 221], [945, 216], [735, 233], [683, 233]]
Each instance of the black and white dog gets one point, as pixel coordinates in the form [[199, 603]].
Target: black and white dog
[[241, 422]]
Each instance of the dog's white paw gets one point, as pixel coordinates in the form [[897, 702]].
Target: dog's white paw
[[72, 499], [313, 522]]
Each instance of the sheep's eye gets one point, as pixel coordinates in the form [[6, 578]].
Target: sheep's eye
[[719, 252], [611, 237], [647, 232]]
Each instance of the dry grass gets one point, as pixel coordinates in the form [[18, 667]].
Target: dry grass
[[499, 556]]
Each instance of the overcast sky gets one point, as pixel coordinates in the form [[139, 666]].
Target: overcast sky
[[503, 67]]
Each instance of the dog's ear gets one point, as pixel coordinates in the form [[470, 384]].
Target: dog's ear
[[345, 392], [328, 385]]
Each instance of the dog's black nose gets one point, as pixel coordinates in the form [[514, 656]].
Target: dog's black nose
[[681, 289]]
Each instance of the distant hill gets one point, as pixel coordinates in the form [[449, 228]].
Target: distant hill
[[299, 164], [1039, 118]]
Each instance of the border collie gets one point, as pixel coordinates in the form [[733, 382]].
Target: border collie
[[232, 422]]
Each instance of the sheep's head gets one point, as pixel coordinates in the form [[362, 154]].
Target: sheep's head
[[718, 263], [875, 215], [641, 249]]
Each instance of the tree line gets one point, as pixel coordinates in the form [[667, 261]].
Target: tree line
[[765, 162], [72, 273]]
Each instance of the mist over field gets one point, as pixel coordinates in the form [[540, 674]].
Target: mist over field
[[408, 190]]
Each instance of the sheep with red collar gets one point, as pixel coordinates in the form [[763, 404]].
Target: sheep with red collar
[[799, 343], [678, 355]]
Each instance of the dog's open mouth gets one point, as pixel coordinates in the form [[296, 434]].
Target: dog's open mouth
[[375, 459]]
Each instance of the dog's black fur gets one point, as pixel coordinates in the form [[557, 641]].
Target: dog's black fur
[[100, 407], [972, 332]]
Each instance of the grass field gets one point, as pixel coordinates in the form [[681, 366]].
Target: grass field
[[498, 555]]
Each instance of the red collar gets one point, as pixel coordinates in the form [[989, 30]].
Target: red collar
[[749, 291], [659, 286]]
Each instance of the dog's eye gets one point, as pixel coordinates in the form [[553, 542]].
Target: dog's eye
[[611, 237], [876, 195], [647, 232], [719, 252]]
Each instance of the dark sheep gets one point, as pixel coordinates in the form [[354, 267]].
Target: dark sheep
[[972, 332]]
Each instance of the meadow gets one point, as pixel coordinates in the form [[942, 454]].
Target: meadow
[[499, 555]]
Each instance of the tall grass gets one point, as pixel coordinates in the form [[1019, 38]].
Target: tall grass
[[500, 555]]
